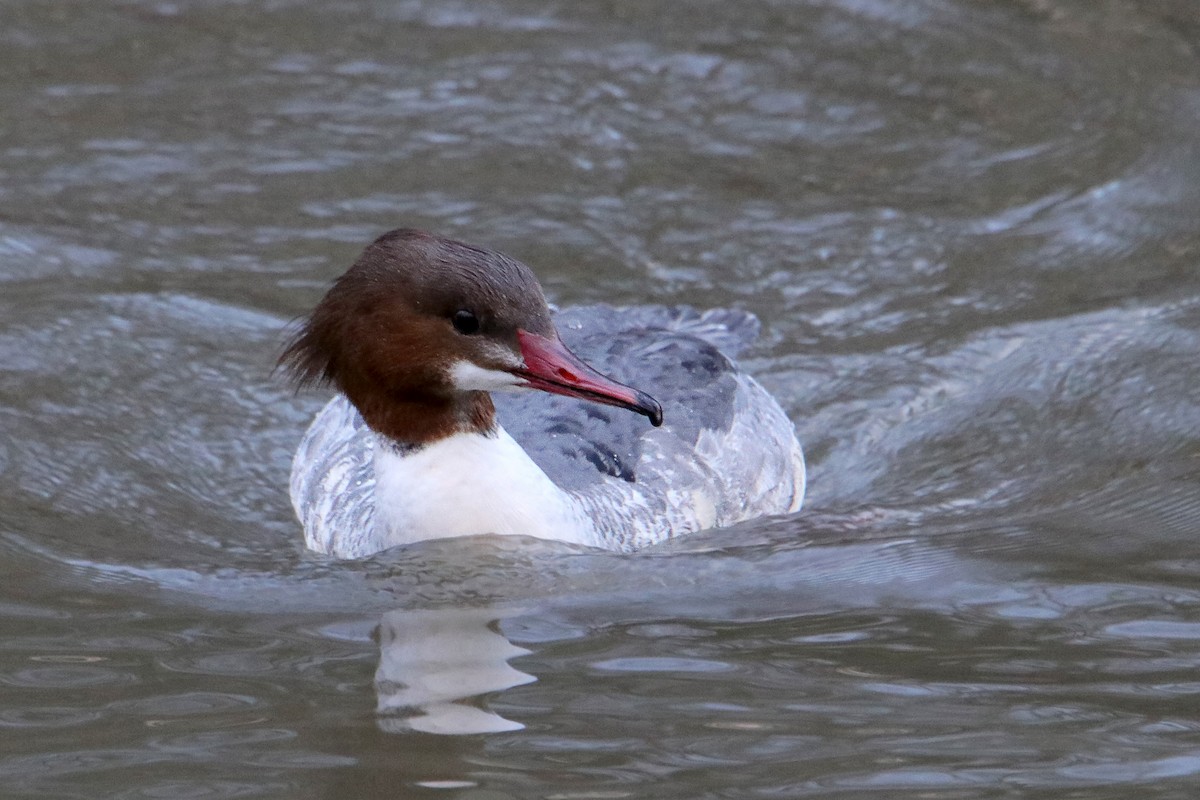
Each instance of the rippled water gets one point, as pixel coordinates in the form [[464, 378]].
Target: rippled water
[[970, 229]]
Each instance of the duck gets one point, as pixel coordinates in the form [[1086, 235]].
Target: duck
[[465, 406]]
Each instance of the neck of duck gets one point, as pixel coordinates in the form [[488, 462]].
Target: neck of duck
[[474, 479]]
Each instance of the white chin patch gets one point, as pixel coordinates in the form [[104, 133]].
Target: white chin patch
[[469, 377]]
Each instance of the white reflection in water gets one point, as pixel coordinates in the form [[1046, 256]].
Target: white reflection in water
[[433, 662]]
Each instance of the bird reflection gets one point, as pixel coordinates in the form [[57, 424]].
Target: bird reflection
[[434, 665]]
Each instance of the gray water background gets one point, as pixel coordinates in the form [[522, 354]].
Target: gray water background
[[971, 230]]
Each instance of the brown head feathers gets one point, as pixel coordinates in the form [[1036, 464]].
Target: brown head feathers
[[385, 333]]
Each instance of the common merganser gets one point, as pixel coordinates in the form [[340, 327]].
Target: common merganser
[[418, 333]]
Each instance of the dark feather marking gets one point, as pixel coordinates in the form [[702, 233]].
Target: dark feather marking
[[671, 353]]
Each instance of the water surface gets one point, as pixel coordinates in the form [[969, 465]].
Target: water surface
[[969, 229]]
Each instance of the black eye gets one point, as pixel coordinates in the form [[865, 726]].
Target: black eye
[[465, 322]]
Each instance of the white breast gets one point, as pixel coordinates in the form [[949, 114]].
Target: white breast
[[469, 484]]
